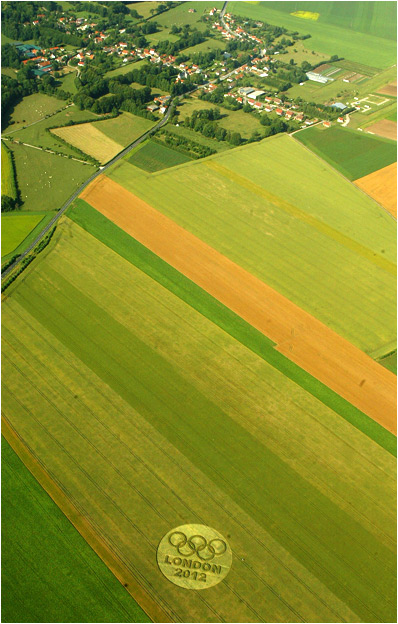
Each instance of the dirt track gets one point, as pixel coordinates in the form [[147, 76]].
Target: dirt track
[[382, 186], [301, 337]]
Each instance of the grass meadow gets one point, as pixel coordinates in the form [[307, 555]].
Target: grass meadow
[[47, 180], [363, 32], [15, 227], [60, 578], [353, 153], [32, 108], [115, 357], [260, 206]]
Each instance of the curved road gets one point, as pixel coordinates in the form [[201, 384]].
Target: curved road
[[60, 212]]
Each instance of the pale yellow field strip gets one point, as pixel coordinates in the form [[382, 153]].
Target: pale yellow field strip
[[89, 140], [302, 338]]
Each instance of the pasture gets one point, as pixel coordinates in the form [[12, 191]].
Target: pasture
[[355, 154], [37, 134], [382, 186], [361, 32], [60, 577], [124, 356], [255, 205], [124, 69], [15, 227], [153, 156], [45, 180], [8, 186], [31, 109]]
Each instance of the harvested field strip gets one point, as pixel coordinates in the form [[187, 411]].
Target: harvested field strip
[[310, 344], [64, 580], [303, 497], [130, 249], [381, 185], [89, 140], [385, 128], [342, 289], [319, 225]]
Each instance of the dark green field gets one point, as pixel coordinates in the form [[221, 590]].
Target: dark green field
[[353, 153], [390, 362], [153, 156], [50, 574]]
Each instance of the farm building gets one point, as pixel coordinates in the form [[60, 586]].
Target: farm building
[[339, 105], [317, 78], [256, 94]]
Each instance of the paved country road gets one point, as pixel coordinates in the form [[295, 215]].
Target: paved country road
[[102, 169]]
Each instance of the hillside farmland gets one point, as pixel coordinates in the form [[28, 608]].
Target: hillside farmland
[[102, 372], [362, 32], [256, 206]]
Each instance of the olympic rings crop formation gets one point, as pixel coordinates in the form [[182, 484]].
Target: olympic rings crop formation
[[206, 551]]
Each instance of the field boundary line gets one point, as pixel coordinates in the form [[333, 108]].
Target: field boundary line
[[255, 301], [82, 525], [343, 176]]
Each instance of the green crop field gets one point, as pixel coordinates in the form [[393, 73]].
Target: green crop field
[[8, 186], [47, 562], [125, 128], [47, 180], [114, 356], [37, 134], [353, 153], [32, 108], [15, 227], [153, 156], [287, 217], [364, 32]]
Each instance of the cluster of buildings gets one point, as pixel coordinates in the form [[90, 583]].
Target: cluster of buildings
[[160, 103], [228, 32], [42, 58], [269, 104]]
